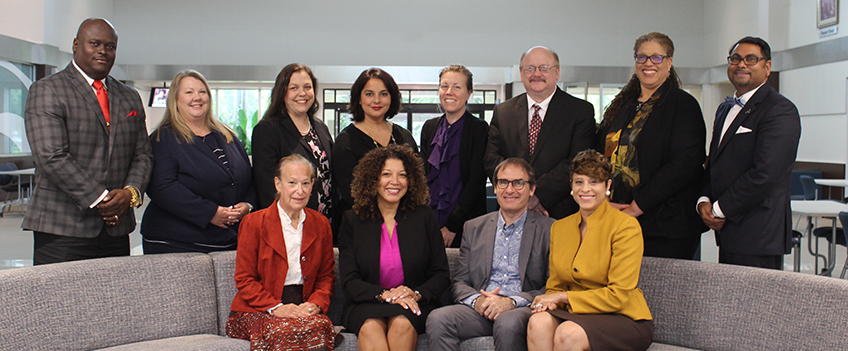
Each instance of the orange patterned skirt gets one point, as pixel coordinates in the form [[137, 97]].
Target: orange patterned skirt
[[267, 332]]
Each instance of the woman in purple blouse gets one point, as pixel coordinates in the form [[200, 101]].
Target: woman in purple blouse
[[453, 147], [391, 254]]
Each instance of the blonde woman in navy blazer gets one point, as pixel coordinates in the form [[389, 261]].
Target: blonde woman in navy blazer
[[201, 183]]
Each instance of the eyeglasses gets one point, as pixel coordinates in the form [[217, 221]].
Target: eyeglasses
[[517, 184], [657, 59], [543, 68], [750, 60]]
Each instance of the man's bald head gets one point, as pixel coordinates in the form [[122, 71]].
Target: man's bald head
[[95, 47]]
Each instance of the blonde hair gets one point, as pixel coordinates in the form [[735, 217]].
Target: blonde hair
[[175, 121]]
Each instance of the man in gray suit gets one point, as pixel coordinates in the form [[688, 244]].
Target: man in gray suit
[[503, 265], [89, 142]]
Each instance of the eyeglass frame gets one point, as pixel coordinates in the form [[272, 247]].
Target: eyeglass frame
[[531, 69], [514, 183], [651, 57], [746, 58]]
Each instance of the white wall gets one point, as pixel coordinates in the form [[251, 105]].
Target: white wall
[[819, 91], [22, 20], [399, 33], [63, 17], [821, 103]]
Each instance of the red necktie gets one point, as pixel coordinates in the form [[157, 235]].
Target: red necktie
[[535, 125], [103, 99]]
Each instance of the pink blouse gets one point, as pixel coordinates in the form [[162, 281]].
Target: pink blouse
[[391, 268]]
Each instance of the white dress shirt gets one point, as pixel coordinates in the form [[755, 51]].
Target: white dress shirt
[[543, 104], [294, 239]]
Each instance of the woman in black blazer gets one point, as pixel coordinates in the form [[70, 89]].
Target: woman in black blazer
[[654, 134], [374, 99], [392, 261], [201, 186], [289, 127], [448, 152]]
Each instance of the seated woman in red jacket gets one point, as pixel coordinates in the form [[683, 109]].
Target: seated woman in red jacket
[[284, 269]]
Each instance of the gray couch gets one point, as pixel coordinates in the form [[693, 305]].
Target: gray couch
[[181, 302]]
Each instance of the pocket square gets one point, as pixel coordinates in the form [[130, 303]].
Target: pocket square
[[743, 130], [133, 113]]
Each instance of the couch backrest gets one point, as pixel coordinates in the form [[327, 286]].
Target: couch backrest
[[224, 264], [713, 306], [93, 304]]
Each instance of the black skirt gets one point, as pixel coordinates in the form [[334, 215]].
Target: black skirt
[[611, 331], [363, 311]]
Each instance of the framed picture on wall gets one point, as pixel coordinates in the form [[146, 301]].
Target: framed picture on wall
[[828, 13]]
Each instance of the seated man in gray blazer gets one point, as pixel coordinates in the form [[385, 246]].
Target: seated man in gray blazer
[[503, 265]]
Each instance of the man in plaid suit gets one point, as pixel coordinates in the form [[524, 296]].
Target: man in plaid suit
[[89, 142]]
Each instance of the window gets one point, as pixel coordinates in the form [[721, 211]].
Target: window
[[417, 106], [240, 109], [15, 80], [600, 95]]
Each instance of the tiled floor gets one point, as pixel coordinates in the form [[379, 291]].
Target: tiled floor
[[16, 245]]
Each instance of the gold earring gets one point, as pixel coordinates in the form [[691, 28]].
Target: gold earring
[[571, 193], [608, 193]]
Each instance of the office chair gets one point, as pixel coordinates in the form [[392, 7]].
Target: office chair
[[809, 186], [824, 232]]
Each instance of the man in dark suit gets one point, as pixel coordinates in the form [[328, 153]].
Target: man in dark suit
[[547, 127], [93, 160], [503, 266], [745, 197]]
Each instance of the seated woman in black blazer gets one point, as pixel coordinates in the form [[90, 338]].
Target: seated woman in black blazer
[[392, 260], [453, 147], [201, 183], [289, 127]]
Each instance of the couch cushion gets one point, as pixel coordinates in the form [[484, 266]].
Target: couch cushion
[[723, 307], [224, 264], [663, 347], [202, 342], [93, 304]]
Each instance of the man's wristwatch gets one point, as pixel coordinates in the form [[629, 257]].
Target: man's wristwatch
[[135, 201]]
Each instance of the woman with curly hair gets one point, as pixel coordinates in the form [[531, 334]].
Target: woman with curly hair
[[392, 259]]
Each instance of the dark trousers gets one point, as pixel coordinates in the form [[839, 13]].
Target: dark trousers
[[51, 248], [770, 262], [682, 248]]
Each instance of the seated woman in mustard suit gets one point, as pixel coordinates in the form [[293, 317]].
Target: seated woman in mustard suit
[[592, 301], [284, 269]]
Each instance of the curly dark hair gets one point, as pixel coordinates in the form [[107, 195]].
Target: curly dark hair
[[366, 176], [593, 164]]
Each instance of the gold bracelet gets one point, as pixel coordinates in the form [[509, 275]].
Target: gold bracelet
[[135, 200]]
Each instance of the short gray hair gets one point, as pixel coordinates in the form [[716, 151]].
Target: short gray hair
[[294, 159]]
